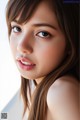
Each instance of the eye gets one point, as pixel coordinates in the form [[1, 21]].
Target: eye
[[44, 34], [16, 29]]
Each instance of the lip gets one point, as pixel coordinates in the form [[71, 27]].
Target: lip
[[21, 63]]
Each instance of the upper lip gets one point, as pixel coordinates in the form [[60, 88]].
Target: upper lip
[[24, 59]]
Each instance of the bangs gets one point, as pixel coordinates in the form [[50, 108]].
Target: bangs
[[21, 9]]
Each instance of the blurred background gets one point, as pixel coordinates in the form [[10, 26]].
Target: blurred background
[[9, 75]]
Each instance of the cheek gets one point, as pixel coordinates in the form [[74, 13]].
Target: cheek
[[13, 45], [52, 54]]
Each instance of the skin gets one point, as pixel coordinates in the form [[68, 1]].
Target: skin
[[46, 52], [63, 99]]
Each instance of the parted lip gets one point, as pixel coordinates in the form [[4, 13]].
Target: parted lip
[[24, 59]]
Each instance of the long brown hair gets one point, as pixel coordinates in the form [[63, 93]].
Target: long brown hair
[[68, 19]]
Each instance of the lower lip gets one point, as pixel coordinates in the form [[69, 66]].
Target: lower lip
[[25, 67]]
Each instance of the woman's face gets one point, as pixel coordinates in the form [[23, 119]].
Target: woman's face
[[39, 45]]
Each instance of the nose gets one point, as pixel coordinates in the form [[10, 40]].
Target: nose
[[25, 44]]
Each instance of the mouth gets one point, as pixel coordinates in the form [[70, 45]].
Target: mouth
[[25, 64]]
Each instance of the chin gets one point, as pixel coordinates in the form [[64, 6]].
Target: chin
[[33, 77], [28, 77]]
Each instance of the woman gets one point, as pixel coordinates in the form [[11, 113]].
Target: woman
[[44, 40]]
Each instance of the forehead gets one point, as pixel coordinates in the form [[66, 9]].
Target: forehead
[[43, 13]]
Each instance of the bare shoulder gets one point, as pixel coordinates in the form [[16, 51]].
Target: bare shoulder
[[65, 84], [63, 98]]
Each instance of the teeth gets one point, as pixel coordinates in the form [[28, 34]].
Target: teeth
[[26, 63]]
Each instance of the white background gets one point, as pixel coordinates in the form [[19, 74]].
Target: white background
[[9, 75]]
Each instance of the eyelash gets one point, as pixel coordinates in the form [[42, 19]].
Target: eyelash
[[48, 35], [17, 28]]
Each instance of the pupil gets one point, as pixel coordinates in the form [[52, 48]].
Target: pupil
[[18, 29], [44, 33]]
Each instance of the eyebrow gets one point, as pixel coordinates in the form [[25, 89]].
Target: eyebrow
[[40, 25], [44, 24]]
